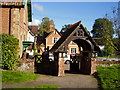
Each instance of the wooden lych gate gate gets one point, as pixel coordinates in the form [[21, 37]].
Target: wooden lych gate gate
[[87, 48]]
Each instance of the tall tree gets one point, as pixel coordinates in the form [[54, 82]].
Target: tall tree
[[103, 28], [115, 18], [45, 25]]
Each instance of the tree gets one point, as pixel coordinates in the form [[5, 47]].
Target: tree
[[103, 28], [65, 27], [45, 25], [115, 18], [10, 46]]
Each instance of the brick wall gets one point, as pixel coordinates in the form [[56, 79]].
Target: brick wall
[[4, 20], [18, 23]]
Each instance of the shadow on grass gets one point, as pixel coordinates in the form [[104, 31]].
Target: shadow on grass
[[98, 79]]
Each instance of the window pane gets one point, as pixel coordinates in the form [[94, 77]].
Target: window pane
[[55, 39], [73, 50]]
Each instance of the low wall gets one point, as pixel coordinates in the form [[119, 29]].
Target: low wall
[[107, 63], [26, 66]]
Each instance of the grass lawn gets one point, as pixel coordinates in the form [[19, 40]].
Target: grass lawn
[[17, 77], [111, 57], [47, 86], [109, 77]]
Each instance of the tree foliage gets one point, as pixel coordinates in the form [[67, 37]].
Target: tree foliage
[[45, 25], [103, 28], [115, 18], [9, 49], [65, 27]]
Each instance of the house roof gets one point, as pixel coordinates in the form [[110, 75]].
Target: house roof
[[33, 29], [48, 34], [66, 36]]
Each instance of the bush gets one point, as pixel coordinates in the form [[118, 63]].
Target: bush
[[9, 49]]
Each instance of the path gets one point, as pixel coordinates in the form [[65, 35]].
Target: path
[[67, 81]]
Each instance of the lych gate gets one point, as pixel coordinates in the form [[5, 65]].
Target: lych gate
[[87, 48]]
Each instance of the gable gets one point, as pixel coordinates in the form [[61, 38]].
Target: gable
[[76, 31], [53, 34], [50, 38]]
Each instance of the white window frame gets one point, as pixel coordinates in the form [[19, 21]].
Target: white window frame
[[55, 32], [71, 50], [54, 41]]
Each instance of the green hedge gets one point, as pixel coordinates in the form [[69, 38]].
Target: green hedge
[[9, 46]]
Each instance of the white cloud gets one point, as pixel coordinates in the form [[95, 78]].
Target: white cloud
[[38, 7], [34, 22]]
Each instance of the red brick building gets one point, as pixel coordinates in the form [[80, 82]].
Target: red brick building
[[14, 19]]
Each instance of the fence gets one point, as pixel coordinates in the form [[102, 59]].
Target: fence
[[107, 63]]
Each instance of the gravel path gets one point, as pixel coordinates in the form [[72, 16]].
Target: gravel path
[[67, 81]]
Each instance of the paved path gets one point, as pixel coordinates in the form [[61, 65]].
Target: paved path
[[67, 81]]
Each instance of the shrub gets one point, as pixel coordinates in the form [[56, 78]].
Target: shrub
[[9, 49]]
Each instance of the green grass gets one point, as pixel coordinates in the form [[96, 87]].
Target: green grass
[[111, 57], [17, 77], [47, 86], [109, 77]]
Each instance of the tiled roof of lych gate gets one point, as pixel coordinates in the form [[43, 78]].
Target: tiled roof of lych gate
[[66, 35], [99, 41]]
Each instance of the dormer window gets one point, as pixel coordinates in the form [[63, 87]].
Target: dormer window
[[55, 39]]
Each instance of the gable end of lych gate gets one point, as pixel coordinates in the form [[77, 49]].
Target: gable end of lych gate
[[74, 32]]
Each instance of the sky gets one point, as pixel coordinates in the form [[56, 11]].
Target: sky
[[71, 12]]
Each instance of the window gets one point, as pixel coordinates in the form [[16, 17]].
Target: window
[[73, 50], [55, 40], [80, 33], [55, 32]]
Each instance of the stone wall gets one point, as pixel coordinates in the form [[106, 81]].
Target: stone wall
[[93, 65], [14, 21], [26, 66]]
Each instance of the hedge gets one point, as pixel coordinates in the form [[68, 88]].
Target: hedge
[[9, 46]]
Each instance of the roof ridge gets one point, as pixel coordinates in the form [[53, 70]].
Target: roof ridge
[[74, 24]]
